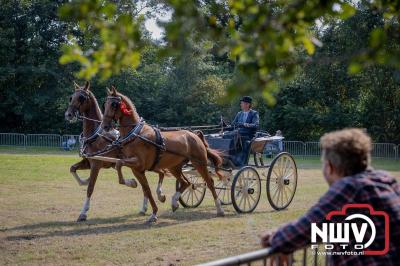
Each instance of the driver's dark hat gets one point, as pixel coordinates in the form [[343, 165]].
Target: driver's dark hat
[[246, 99]]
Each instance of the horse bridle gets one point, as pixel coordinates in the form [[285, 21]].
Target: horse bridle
[[83, 97], [115, 105]]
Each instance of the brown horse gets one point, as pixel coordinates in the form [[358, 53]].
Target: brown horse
[[142, 153], [84, 103]]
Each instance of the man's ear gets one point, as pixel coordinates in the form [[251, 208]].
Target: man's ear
[[87, 86], [333, 170], [330, 167]]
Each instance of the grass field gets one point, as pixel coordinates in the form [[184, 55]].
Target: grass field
[[40, 201]]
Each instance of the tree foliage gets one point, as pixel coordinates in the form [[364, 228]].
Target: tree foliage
[[262, 37], [212, 49], [32, 83], [324, 96]]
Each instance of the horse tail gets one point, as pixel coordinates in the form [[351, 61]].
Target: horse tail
[[212, 154]]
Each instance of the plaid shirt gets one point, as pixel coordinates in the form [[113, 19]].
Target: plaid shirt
[[373, 187]]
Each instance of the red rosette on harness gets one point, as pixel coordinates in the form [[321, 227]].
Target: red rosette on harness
[[124, 109]]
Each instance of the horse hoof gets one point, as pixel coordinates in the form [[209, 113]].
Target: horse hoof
[[152, 219], [162, 198], [174, 208], [131, 183], [142, 212], [82, 218]]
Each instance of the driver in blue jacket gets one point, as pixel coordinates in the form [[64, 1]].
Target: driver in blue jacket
[[246, 120]]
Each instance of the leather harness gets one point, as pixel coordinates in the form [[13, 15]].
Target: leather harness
[[160, 147], [134, 133], [118, 143]]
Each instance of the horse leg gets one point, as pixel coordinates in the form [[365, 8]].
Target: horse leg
[[147, 192], [94, 172], [203, 171], [177, 172], [132, 162], [128, 182], [82, 165], [161, 197], [145, 202]]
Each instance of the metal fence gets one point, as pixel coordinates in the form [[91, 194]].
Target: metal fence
[[43, 140], [66, 142], [312, 148], [7, 139], [266, 257], [297, 148], [385, 150]]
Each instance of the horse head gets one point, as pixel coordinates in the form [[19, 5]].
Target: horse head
[[120, 108], [112, 110], [78, 102]]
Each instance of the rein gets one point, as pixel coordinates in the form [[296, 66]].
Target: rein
[[86, 141], [131, 136], [190, 128], [87, 118], [107, 149], [83, 141], [81, 117], [134, 133]]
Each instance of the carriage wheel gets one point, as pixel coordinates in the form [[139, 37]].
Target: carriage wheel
[[246, 190], [281, 181], [194, 194], [223, 187]]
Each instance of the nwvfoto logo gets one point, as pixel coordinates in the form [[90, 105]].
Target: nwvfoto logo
[[342, 233]]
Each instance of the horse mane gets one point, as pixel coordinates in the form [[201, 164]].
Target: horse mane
[[130, 105], [96, 104]]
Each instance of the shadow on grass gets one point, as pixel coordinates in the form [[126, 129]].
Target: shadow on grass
[[93, 221], [98, 226]]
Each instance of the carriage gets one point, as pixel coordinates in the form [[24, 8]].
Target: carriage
[[246, 169], [245, 166]]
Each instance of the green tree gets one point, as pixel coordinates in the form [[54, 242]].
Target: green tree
[[263, 37], [184, 90], [33, 85], [325, 97]]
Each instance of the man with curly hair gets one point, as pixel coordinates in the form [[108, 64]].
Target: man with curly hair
[[346, 156]]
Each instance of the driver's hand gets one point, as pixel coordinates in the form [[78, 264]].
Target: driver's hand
[[265, 239], [246, 125]]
